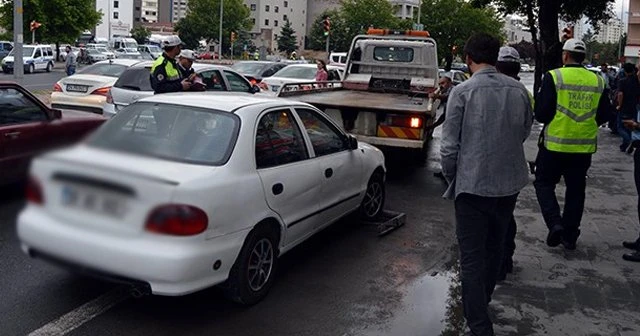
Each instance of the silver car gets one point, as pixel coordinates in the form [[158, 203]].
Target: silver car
[[135, 84]]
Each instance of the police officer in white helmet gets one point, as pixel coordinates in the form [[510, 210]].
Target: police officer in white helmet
[[165, 73]]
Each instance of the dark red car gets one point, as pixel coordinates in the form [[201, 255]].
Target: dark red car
[[28, 127]]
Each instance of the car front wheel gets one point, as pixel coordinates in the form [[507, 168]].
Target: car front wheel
[[49, 66], [373, 203], [253, 273]]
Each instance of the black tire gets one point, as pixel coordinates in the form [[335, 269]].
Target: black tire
[[240, 287], [49, 67], [373, 202], [32, 69], [6, 71]]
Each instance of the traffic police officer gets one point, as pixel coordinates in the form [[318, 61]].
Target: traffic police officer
[[165, 74], [572, 102]]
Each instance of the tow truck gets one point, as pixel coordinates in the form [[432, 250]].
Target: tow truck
[[383, 98]]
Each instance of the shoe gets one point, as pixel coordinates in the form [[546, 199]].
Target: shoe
[[554, 238], [632, 245], [569, 245], [635, 256]]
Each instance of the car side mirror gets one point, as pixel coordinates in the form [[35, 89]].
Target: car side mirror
[[353, 142], [55, 114], [254, 89]]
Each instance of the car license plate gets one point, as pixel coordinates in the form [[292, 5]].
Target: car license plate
[[77, 88], [275, 88], [93, 201]]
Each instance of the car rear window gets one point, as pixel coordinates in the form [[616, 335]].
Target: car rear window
[[104, 69], [297, 72], [393, 54], [172, 132], [135, 79]]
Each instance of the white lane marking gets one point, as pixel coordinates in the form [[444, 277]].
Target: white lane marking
[[83, 314]]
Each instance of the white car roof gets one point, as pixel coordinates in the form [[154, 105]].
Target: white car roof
[[121, 61], [196, 66], [311, 65], [223, 101]]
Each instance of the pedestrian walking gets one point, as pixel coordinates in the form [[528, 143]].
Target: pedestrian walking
[[165, 73], [627, 100], [634, 245], [572, 102], [322, 75], [71, 61], [509, 65], [488, 118]]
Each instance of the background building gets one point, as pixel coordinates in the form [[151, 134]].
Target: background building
[[268, 17], [632, 49], [117, 19], [610, 32], [405, 9], [516, 30], [149, 11]]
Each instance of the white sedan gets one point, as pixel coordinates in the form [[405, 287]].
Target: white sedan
[[179, 192], [298, 73], [87, 90]]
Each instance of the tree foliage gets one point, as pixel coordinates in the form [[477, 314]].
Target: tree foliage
[[203, 21], [526, 50], [140, 34], [287, 39], [62, 20], [340, 38], [452, 22]]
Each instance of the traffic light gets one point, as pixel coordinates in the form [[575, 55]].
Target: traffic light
[[327, 26], [233, 36], [35, 25]]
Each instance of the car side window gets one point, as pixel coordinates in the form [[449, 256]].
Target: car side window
[[325, 137], [237, 82], [8, 46], [213, 80], [49, 52], [16, 108], [279, 140], [37, 54]]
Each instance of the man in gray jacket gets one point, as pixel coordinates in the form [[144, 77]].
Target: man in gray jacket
[[70, 62], [488, 118]]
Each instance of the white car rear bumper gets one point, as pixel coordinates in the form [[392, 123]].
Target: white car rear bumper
[[170, 265], [91, 103]]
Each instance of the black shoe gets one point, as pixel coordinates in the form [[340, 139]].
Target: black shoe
[[569, 245], [635, 256], [632, 245], [554, 238]]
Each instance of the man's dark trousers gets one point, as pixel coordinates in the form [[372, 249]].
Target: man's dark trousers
[[550, 167], [481, 226]]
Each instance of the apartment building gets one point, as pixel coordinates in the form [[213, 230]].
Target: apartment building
[[516, 30], [269, 16], [149, 11], [405, 9], [632, 50], [117, 19], [610, 32]]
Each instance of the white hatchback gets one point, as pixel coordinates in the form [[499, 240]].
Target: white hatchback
[[298, 73], [179, 192]]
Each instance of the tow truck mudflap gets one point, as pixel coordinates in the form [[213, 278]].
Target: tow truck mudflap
[[390, 142]]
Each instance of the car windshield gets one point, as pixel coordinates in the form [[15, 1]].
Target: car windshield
[[297, 72], [130, 45], [153, 48], [93, 51], [249, 68], [104, 69], [26, 52], [393, 54], [172, 132], [136, 79], [102, 50]]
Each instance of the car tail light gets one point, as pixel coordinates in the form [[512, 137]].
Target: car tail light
[[34, 191], [109, 97], [101, 91], [57, 87], [177, 220]]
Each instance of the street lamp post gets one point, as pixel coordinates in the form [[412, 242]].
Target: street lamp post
[[220, 33], [18, 69]]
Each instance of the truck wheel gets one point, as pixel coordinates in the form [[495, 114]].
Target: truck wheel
[[254, 271]]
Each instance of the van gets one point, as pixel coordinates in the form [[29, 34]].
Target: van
[[5, 48], [34, 57], [124, 46], [338, 58]]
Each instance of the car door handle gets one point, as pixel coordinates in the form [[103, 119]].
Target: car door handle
[[12, 134], [328, 173], [277, 188]]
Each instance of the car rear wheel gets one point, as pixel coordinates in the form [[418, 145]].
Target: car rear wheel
[[49, 67], [373, 203], [253, 273]]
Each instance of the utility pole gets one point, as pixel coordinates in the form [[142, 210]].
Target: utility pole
[[620, 53], [220, 36], [419, 11], [18, 37]]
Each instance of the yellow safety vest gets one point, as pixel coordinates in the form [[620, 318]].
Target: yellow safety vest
[[574, 128], [172, 72]]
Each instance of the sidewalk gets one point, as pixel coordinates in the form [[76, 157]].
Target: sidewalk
[[589, 291]]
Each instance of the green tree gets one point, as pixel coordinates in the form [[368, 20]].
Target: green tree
[[140, 34], [451, 22], [287, 39], [526, 50], [359, 15], [188, 33], [62, 20], [339, 38], [543, 18], [203, 20]]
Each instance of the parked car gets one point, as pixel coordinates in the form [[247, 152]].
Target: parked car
[[194, 190], [255, 71], [524, 67], [298, 73], [150, 49], [208, 55], [95, 56], [34, 58], [338, 58], [461, 67], [134, 84], [63, 52], [87, 89], [5, 48], [456, 76], [28, 127], [106, 52]]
